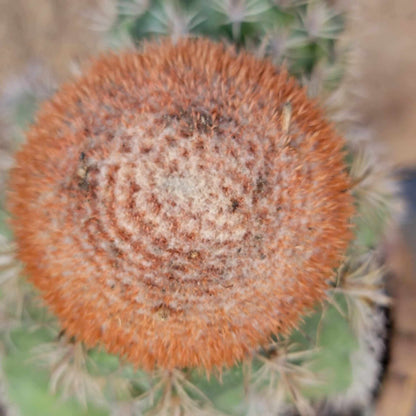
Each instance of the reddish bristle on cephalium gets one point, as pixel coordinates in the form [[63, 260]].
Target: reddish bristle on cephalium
[[181, 204]]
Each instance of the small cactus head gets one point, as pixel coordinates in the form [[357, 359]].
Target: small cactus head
[[181, 204]]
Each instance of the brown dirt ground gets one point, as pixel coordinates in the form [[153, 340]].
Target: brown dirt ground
[[49, 31], [385, 33]]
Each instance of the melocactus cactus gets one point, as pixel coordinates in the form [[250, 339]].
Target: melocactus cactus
[[180, 205]]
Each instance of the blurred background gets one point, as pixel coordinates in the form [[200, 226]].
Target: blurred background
[[44, 41]]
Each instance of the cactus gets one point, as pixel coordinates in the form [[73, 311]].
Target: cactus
[[206, 239]]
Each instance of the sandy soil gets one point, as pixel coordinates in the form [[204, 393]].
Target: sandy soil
[[51, 32], [385, 33]]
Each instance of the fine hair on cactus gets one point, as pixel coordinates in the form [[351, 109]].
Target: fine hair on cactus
[[181, 205], [191, 223]]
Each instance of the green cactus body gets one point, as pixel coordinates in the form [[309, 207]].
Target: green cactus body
[[316, 353]]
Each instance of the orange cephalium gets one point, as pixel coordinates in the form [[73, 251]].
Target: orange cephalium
[[180, 204]]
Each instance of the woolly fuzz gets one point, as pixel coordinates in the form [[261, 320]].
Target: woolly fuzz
[[181, 204]]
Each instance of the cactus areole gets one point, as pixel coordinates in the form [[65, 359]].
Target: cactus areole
[[181, 204]]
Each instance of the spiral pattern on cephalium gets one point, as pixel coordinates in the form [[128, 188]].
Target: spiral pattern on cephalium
[[181, 204]]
